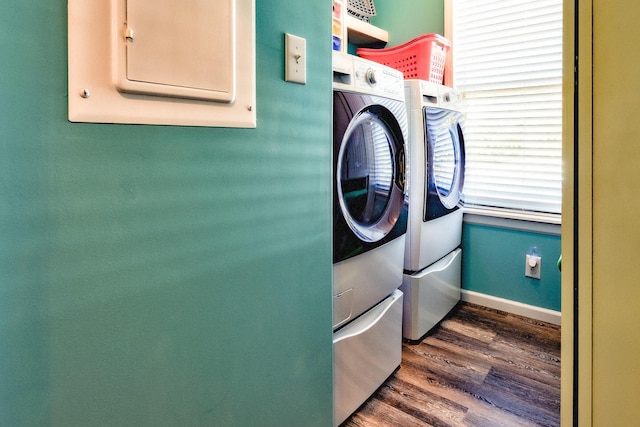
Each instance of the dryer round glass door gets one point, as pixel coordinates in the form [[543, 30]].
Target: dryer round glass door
[[366, 170], [445, 148], [445, 167]]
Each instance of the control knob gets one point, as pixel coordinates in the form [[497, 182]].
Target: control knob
[[371, 77]]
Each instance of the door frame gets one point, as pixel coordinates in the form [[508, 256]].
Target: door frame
[[577, 215]]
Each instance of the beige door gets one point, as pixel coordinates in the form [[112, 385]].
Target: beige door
[[602, 233]]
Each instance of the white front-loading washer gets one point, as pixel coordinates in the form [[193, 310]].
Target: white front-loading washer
[[432, 263], [370, 209]]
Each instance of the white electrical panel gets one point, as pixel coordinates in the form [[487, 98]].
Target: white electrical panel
[[174, 62], [181, 49]]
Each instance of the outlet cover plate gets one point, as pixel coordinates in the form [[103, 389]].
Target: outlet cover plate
[[533, 271]]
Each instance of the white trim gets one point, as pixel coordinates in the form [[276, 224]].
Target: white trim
[[522, 215], [512, 224], [514, 307]]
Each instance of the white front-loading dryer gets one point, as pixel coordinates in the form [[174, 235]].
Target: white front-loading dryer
[[432, 263]]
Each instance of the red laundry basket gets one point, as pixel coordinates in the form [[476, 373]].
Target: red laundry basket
[[420, 58]]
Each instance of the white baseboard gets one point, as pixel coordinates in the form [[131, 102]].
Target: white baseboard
[[533, 312]]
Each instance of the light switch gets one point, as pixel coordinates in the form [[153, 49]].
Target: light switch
[[295, 63]]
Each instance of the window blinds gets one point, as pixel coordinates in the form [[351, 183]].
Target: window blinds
[[507, 58]]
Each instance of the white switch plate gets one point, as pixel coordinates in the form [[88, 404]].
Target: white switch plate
[[295, 60]]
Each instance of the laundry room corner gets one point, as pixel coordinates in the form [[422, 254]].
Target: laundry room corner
[[481, 175]]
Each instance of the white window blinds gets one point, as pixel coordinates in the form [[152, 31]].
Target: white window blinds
[[507, 58]]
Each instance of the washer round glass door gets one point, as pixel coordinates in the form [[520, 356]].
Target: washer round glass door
[[366, 171]]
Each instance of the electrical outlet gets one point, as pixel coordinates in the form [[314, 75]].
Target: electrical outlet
[[533, 264]]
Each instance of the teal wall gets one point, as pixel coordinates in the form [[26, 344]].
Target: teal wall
[[493, 263], [406, 19], [156, 275]]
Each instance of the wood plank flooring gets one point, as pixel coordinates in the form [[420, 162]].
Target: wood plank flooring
[[480, 367]]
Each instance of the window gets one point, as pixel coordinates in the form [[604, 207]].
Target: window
[[507, 61]]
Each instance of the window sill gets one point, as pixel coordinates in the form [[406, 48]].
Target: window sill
[[514, 220]]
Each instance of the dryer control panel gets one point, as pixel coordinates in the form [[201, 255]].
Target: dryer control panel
[[421, 93]]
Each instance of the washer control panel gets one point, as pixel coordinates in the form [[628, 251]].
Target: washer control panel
[[377, 79]]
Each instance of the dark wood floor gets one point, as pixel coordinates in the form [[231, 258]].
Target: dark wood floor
[[480, 367]]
